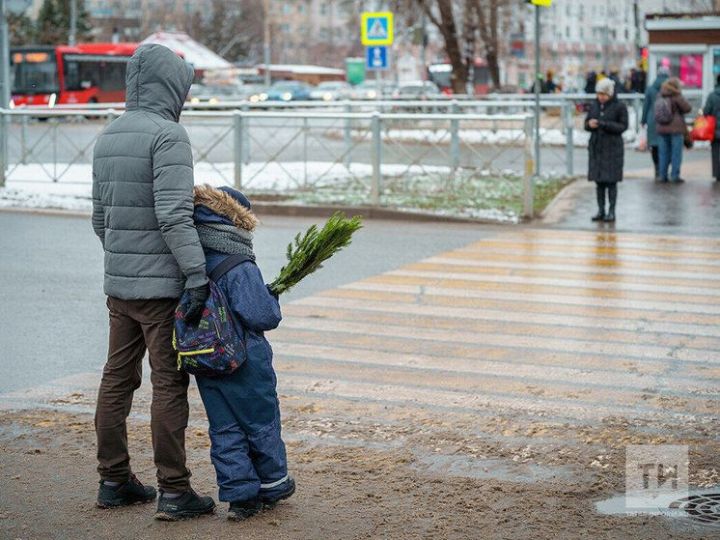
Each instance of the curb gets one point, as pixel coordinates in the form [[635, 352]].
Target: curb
[[273, 209]]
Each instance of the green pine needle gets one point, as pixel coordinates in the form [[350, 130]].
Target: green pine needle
[[306, 253]]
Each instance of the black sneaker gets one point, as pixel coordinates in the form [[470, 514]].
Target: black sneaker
[[131, 492], [270, 500], [240, 510], [187, 505]]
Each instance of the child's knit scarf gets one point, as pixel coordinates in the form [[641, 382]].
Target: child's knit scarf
[[226, 239]]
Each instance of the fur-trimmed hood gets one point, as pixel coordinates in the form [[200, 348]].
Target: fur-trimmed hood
[[218, 206]]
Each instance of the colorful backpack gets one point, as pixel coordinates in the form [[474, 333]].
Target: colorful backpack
[[663, 110], [213, 347]]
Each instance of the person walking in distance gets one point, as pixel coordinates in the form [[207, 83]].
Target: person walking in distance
[[648, 118], [142, 198], [670, 110], [606, 121], [712, 108]]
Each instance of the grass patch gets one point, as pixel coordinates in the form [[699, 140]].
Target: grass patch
[[467, 193]]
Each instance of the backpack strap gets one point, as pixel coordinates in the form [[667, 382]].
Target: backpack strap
[[226, 265]]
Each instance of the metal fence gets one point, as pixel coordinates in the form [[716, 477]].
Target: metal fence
[[376, 158]]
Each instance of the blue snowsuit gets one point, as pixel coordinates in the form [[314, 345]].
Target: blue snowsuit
[[242, 408]]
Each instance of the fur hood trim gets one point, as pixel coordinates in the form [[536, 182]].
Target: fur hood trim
[[222, 203]]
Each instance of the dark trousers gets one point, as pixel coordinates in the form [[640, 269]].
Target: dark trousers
[[611, 190], [715, 153], [137, 325], [655, 153]]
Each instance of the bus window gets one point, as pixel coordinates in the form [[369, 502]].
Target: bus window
[[33, 73], [112, 76]]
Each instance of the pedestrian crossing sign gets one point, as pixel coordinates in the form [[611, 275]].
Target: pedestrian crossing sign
[[541, 3], [376, 28]]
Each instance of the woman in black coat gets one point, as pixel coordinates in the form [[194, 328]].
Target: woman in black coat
[[606, 121]]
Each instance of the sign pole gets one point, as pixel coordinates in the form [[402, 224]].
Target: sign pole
[[537, 90]]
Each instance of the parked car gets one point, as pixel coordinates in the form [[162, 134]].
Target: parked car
[[372, 90], [254, 93], [215, 93], [416, 90], [288, 91], [330, 91]]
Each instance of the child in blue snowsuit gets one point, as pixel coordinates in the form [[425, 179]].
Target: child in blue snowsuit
[[242, 408]]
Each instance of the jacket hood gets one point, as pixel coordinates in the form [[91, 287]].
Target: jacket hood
[[219, 206], [671, 87], [158, 80]]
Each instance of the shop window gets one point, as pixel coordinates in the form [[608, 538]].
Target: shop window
[[686, 67]]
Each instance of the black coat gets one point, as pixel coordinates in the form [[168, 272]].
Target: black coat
[[606, 146]]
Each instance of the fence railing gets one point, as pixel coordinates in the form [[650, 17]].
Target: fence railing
[[375, 158]]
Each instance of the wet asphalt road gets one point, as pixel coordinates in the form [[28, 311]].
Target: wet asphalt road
[[53, 320]]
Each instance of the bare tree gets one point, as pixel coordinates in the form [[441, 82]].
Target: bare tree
[[493, 17], [455, 21]]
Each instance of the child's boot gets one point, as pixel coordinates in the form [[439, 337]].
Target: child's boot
[[241, 510], [281, 492]]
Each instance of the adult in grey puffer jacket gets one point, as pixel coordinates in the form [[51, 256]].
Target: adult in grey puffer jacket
[[143, 214], [143, 185]]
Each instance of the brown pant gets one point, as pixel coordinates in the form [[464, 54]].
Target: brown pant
[[134, 326]]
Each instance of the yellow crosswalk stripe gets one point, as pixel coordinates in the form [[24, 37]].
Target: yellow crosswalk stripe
[[569, 323]]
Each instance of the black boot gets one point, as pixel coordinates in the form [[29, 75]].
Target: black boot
[[600, 195], [241, 510], [187, 505], [612, 196], [131, 492]]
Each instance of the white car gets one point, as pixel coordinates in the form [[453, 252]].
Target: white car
[[330, 91], [371, 90]]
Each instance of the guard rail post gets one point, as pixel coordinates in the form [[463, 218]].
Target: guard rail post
[[529, 170], [569, 123], [454, 137], [245, 137], [238, 126], [375, 126], [347, 136], [23, 139], [305, 129]]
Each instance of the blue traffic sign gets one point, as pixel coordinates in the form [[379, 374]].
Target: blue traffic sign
[[376, 58]]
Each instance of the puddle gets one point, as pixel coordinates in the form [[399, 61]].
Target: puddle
[[495, 469]]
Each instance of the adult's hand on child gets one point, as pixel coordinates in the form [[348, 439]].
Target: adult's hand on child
[[196, 303]]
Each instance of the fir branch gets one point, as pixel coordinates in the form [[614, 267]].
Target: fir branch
[[308, 252]]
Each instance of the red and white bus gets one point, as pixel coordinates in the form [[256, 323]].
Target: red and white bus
[[59, 75]]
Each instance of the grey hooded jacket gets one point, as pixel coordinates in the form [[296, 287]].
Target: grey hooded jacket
[[143, 185]]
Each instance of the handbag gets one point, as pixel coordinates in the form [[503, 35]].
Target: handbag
[[704, 128]]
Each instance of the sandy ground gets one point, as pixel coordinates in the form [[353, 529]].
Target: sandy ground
[[356, 478]]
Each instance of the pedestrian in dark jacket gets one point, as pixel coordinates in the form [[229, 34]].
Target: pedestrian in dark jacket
[[242, 408], [606, 121], [142, 212], [648, 118], [672, 134], [712, 108]]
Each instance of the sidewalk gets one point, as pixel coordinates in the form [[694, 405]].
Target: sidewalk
[[692, 208]]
